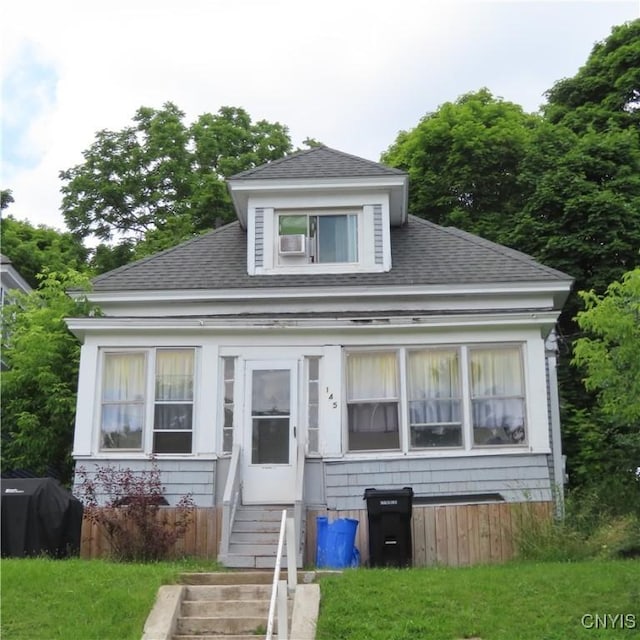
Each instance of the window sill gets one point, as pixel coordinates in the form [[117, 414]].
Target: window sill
[[439, 453], [141, 455], [321, 268]]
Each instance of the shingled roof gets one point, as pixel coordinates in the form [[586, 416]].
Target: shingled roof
[[317, 162], [423, 253]]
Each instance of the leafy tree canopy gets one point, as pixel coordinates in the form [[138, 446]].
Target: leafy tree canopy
[[32, 249], [605, 92], [610, 350], [161, 180], [40, 382], [463, 163], [6, 198]]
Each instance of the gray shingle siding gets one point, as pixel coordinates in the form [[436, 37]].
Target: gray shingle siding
[[378, 233], [178, 477], [516, 478], [259, 238]]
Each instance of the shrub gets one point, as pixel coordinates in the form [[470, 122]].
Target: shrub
[[593, 527], [127, 506]]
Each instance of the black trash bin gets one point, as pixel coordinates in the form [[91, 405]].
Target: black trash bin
[[389, 513]]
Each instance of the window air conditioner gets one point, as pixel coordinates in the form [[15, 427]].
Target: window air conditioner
[[292, 245]]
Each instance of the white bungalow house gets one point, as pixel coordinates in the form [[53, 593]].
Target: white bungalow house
[[324, 343]]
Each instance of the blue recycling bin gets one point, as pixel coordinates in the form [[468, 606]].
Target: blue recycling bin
[[335, 543]]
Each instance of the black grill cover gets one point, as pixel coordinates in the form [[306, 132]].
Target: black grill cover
[[39, 517]]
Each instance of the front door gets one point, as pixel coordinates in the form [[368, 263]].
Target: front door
[[269, 451]]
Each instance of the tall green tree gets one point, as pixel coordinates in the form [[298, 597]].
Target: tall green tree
[[605, 92], [40, 382], [34, 248], [160, 180], [6, 198], [464, 162], [582, 215], [608, 358], [610, 349]]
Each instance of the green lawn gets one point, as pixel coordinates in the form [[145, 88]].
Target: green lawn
[[517, 601], [80, 599], [98, 600]]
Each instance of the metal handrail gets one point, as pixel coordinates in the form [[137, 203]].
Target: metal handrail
[[276, 580], [281, 589]]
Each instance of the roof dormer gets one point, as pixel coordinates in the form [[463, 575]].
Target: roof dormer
[[319, 211]]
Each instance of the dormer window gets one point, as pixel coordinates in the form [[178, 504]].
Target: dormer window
[[317, 237]]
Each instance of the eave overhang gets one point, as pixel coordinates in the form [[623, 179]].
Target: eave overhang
[[396, 186], [558, 290], [81, 327]]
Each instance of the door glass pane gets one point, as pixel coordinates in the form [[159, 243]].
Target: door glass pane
[[270, 441], [270, 397], [270, 392]]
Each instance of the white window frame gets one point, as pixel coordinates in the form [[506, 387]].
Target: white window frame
[[468, 446], [396, 399], [313, 431], [149, 401], [231, 406], [304, 261], [157, 402]]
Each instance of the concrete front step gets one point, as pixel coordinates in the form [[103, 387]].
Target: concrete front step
[[246, 624], [217, 608], [212, 593], [222, 608], [244, 561], [228, 577], [217, 636]]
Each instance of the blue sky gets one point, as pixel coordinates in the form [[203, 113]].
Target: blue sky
[[351, 73]]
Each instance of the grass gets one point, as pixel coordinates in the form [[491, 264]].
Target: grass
[[516, 601], [99, 600], [75, 599]]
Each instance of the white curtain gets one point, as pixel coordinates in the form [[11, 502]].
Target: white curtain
[[123, 377], [123, 395], [372, 376], [497, 390], [496, 372], [433, 386], [174, 374], [338, 238]]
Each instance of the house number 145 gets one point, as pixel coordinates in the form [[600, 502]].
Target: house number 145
[[334, 404]]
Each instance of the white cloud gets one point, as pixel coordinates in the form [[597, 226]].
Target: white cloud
[[351, 73]]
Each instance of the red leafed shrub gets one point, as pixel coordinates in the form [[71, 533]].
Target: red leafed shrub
[[127, 506]]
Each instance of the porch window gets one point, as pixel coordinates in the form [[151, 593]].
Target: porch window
[[313, 400], [497, 396], [434, 397], [328, 237], [462, 396], [123, 400], [173, 411], [372, 401], [228, 375]]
